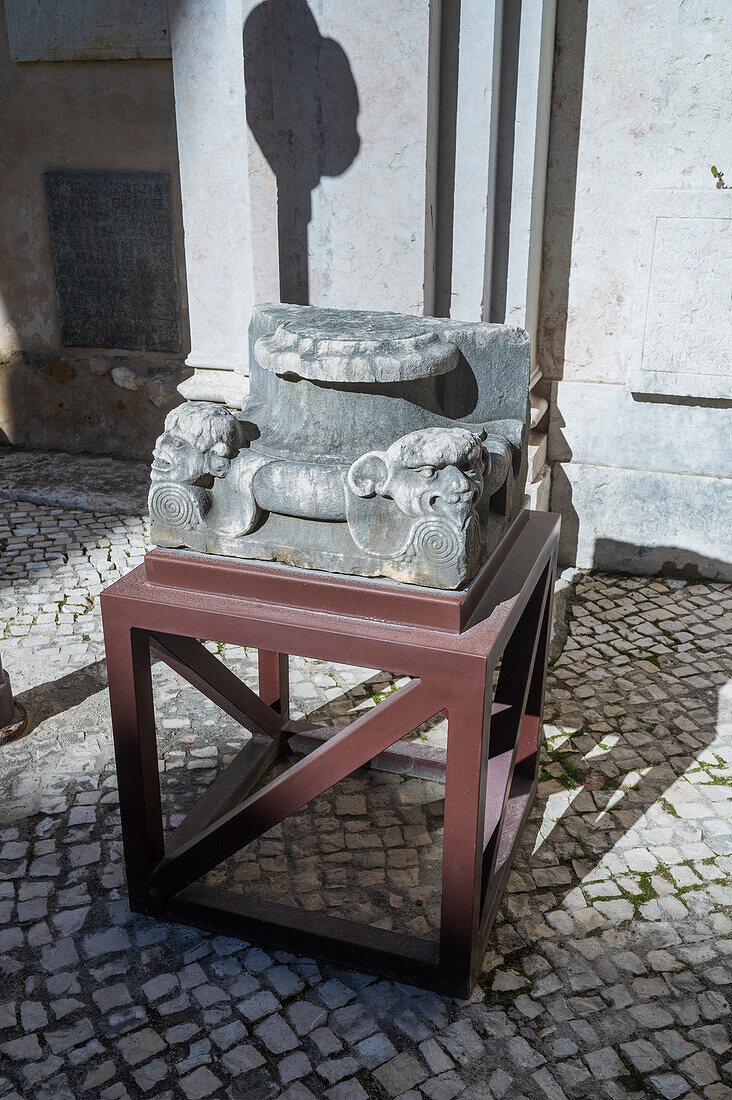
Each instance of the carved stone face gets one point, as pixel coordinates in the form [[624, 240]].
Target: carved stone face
[[176, 458], [198, 442], [436, 471], [451, 491]]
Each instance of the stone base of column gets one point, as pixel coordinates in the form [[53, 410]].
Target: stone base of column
[[225, 386]]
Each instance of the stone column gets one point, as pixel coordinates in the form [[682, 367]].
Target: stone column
[[476, 133], [533, 111], [206, 39], [501, 142]]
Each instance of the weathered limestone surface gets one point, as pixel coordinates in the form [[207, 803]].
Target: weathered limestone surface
[[374, 444], [110, 404], [645, 520], [636, 107], [683, 323], [42, 30], [609, 426], [356, 98], [635, 285]]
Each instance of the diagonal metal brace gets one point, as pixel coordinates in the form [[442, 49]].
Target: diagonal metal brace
[[228, 789], [332, 761], [191, 660]]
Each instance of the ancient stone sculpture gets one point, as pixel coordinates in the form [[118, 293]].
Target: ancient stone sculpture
[[366, 446]]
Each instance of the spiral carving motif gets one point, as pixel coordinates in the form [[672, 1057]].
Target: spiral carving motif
[[176, 505], [436, 542], [473, 541]]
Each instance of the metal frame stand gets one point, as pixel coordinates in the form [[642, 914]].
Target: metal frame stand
[[449, 644], [13, 717]]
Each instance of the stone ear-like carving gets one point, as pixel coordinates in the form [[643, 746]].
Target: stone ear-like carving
[[415, 503], [369, 474], [498, 452], [219, 460]]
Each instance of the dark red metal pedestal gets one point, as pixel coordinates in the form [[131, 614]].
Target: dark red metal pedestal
[[449, 644]]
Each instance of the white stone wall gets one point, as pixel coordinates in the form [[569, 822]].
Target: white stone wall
[[633, 324], [369, 237], [368, 218]]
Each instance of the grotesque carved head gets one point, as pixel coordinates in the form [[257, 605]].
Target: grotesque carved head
[[436, 471], [199, 441]]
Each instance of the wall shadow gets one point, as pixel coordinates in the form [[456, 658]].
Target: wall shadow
[[617, 556], [302, 107]]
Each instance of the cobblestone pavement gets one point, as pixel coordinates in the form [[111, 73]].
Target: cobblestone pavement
[[609, 970]]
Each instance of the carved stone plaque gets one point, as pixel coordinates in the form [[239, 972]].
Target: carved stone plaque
[[683, 316], [86, 30], [114, 261]]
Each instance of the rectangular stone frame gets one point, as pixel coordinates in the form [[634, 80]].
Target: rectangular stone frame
[[492, 754], [701, 275]]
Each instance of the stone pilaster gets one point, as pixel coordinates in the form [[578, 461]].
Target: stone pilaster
[[208, 72]]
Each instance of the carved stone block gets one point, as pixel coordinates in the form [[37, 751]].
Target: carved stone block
[[371, 443]]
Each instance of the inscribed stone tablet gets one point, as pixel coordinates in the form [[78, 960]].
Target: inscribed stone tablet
[[86, 30], [113, 256], [683, 316]]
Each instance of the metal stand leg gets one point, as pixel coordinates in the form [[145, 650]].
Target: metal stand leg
[[274, 681], [13, 718], [135, 747], [462, 846]]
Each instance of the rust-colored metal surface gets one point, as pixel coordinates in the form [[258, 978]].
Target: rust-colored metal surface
[[448, 644], [311, 590]]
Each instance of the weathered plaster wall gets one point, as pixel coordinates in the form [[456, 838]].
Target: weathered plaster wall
[[640, 110], [83, 115]]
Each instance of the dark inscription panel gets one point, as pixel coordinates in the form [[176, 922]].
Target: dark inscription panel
[[114, 260]]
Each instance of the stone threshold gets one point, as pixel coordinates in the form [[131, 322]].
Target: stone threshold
[[92, 483]]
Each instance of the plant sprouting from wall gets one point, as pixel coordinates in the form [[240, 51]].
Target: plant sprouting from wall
[[719, 177]]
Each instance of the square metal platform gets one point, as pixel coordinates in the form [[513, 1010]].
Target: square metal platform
[[448, 643]]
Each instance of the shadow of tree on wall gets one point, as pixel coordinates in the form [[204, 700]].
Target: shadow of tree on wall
[[302, 107]]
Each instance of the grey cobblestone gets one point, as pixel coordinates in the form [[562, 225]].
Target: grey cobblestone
[[608, 973]]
